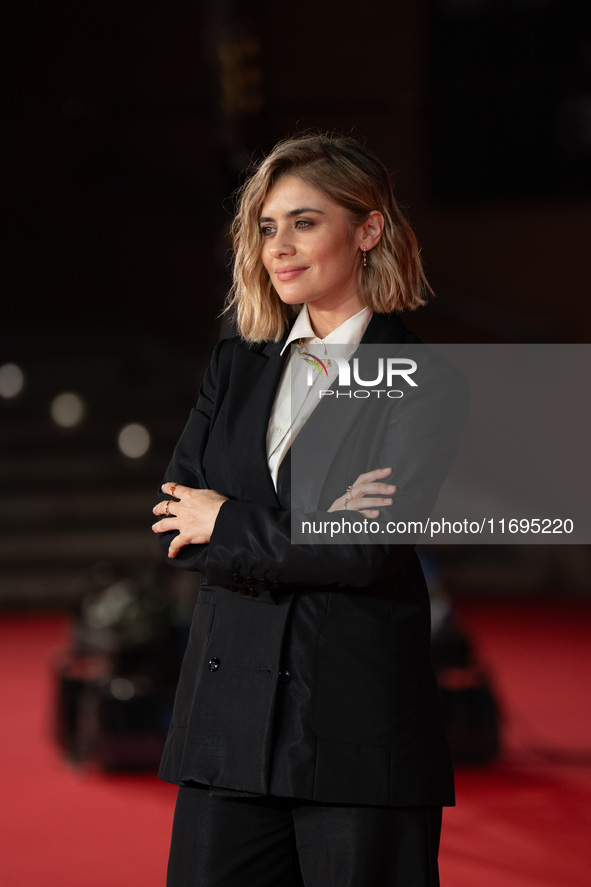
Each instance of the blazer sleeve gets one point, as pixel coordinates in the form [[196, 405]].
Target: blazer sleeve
[[186, 465]]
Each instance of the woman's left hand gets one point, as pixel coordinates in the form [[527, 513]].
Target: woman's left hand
[[367, 492], [194, 515]]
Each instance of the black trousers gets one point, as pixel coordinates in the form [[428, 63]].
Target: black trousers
[[226, 841]]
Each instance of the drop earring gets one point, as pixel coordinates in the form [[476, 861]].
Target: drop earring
[[364, 251]]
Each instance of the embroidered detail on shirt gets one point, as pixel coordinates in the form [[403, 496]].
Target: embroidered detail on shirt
[[314, 359]]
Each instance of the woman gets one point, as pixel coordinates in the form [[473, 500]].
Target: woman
[[306, 736]]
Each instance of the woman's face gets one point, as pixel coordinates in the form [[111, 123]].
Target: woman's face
[[310, 249]]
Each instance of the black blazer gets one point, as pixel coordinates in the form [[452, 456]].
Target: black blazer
[[308, 670]]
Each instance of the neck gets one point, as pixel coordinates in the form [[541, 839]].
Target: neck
[[325, 321]]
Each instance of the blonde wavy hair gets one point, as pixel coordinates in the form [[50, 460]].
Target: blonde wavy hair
[[357, 180]]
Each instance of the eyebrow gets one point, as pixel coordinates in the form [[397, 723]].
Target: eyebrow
[[294, 212]]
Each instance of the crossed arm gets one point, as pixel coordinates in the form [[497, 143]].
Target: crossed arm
[[192, 513]]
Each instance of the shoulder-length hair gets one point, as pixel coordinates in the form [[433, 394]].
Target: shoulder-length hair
[[355, 179]]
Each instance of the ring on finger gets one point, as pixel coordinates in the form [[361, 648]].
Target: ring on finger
[[172, 489], [166, 511]]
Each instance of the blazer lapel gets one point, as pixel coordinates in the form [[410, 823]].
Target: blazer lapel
[[320, 442], [256, 372]]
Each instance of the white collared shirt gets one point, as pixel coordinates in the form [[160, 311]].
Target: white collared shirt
[[295, 399]]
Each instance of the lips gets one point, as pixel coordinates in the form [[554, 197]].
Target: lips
[[290, 272]]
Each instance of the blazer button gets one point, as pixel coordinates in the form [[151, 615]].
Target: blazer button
[[284, 676], [253, 592], [243, 590], [237, 579], [250, 580], [214, 664]]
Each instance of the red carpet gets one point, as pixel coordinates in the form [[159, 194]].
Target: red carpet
[[524, 822]]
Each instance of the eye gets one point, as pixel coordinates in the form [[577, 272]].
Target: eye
[[302, 223], [266, 230]]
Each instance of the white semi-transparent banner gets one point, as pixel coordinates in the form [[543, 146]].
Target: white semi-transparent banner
[[487, 443]]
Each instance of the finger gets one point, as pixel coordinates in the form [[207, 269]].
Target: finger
[[371, 476], [164, 508], [165, 525], [175, 546], [173, 489], [379, 489], [372, 502], [371, 513]]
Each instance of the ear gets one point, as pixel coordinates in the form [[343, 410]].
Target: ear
[[370, 233]]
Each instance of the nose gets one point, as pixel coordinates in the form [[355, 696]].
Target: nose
[[281, 247]]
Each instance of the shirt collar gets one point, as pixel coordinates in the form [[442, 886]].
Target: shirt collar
[[348, 333]]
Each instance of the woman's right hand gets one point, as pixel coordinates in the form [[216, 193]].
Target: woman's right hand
[[366, 493], [192, 512]]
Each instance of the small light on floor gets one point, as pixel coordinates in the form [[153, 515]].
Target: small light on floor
[[122, 689], [12, 380], [134, 440], [67, 409]]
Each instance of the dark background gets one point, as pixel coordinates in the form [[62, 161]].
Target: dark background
[[128, 125]]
